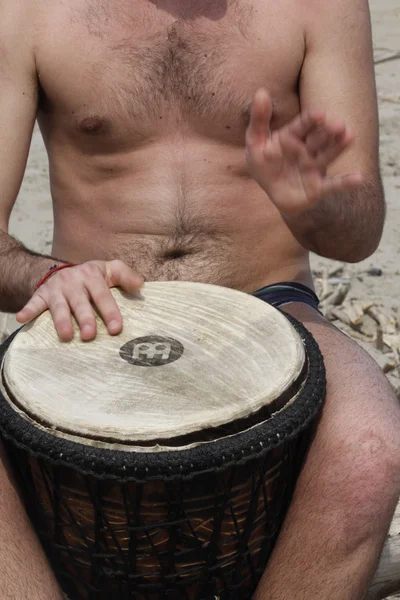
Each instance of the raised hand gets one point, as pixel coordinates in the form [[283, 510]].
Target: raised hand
[[79, 291], [291, 164]]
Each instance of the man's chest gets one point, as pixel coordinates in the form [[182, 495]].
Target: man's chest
[[143, 66]]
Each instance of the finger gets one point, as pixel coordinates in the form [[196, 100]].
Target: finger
[[327, 155], [83, 313], [294, 150], [341, 183], [317, 140], [62, 318], [106, 306], [35, 307], [304, 123], [324, 136], [120, 275], [260, 118]]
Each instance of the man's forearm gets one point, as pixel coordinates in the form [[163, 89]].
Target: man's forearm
[[20, 271], [347, 226]]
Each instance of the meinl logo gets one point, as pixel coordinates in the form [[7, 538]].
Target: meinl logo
[[151, 351]]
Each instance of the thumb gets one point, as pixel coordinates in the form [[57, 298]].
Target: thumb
[[260, 118], [120, 275]]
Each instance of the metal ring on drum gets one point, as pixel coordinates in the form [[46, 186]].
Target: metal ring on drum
[[160, 463]]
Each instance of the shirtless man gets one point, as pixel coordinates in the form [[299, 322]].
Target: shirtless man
[[156, 160]]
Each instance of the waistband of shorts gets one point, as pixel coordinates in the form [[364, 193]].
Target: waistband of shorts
[[285, 292]]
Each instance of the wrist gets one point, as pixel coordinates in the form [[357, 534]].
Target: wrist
[[54, 268]]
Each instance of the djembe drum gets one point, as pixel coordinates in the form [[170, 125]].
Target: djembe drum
[[160, 463]]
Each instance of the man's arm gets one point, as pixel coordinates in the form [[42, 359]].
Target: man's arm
[[345, 226], [322, 174], [20, 269], [338, 77], [24, 572], [69, 291]]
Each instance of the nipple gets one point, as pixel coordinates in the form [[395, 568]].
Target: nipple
[[91, 125]]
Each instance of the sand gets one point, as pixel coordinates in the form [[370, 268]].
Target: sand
[[31, 219]]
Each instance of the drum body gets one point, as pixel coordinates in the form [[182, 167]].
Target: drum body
[[124, 513]]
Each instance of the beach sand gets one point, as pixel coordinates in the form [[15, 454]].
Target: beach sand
[[376, 279]]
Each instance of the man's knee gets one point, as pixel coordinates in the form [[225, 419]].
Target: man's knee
[[357, 446], [365, 462], [366, 413], [376, 466]]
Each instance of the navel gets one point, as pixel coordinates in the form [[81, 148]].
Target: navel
[[176, 253]]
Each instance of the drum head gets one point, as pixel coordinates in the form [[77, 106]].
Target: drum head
[[191, 357]]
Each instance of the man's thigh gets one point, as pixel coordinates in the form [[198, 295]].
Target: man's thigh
[[349, 368], [361, 417], [351, 477]]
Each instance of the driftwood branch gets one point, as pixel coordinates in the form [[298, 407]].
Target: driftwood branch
[[394, 56], [387, 577]]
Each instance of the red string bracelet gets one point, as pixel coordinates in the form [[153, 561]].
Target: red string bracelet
[[53, 270]]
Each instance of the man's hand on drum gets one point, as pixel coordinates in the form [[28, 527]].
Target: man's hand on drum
[[291, 163], [81, 291]]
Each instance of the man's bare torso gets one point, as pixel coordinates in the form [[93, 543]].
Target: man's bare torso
[[144, 107]]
